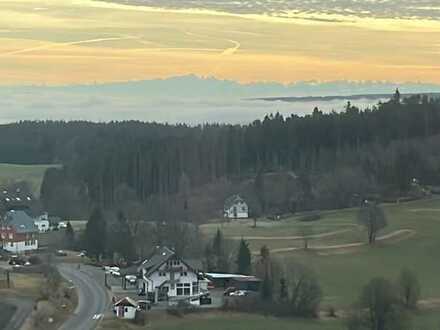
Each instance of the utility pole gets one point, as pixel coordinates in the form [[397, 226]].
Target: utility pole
[[8, 279]]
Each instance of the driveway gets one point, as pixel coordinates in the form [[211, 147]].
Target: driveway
[[93, 300]]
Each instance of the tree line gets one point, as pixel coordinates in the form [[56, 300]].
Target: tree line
[[379, 149]]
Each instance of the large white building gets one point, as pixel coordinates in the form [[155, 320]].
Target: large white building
[[236, 208], [165, 276]]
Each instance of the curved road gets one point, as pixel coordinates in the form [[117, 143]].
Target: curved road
[[93, 298], [24, 309]]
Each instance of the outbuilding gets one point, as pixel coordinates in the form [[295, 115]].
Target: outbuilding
[[126, 308]]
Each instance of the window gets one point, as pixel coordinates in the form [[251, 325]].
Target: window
[[179, 290], [126, 310], [11, 236], [11, 244], [183, 273], [187, 289], [162, 274], [195, 287]]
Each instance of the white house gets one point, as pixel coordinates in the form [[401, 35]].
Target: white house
[[125, 308], [165, 276], [42, 222], [236, 208], [18, 232]]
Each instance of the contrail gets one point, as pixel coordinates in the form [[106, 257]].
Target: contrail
[[54, 45], [232, 50]]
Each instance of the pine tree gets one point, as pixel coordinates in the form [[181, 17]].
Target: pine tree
[[266, 289], [217, 244], [122, 239], [244, 258], [95, 234], [69, 236], [284, 295]]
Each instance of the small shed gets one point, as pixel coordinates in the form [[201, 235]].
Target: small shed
[[126, 308]]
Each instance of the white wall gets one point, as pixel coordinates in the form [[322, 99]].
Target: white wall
[[43, 225], [20, 247], [155, 280], [242, 211], [129, 312]]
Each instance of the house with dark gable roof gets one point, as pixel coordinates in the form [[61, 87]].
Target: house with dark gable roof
[[236, 208], [166, 276], [18, 232]]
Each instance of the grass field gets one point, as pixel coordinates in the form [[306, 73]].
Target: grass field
[[426, 320], [343, 271], [33, 174]]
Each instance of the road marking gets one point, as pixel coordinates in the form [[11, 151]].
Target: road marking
[[97, 316]]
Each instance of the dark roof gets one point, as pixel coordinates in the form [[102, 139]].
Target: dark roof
[[232, 200], [246, 279], [127, 301], [159, 256], [20, 221]]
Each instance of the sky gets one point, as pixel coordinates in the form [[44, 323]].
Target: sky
[[85, 41], [266, 48]]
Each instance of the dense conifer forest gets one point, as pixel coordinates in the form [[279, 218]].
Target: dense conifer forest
[[334, 156]]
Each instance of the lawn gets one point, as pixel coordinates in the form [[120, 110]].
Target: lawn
[[33, 174], [224, 321], [342, 272]]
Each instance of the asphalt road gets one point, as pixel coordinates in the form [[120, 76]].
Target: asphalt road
[[24, 309], [93, 300]]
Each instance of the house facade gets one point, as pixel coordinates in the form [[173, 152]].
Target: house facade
[[18, 232], [42, 222], [236, 208], [166, 276]]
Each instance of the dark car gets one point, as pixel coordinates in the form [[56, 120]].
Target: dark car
[[144, 305], [205, 299], [61, 253], [16, 260]]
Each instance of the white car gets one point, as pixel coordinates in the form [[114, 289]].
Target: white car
[[239, 293], [131, 278]]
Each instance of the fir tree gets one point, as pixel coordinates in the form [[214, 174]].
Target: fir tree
[[244, 258], [69, 236], [95, 234]]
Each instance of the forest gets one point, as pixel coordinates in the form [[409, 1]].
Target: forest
[[160, 170]]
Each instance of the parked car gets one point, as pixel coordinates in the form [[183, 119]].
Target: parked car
[[144, 305], [16, 260], [239, 293], [205, 299], [229, 290], [61, 253], [132, 279], [82, 253]]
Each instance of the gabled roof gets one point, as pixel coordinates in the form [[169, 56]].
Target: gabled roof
[[158, 258], [127, 301], [232, 200], [20, 221]]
